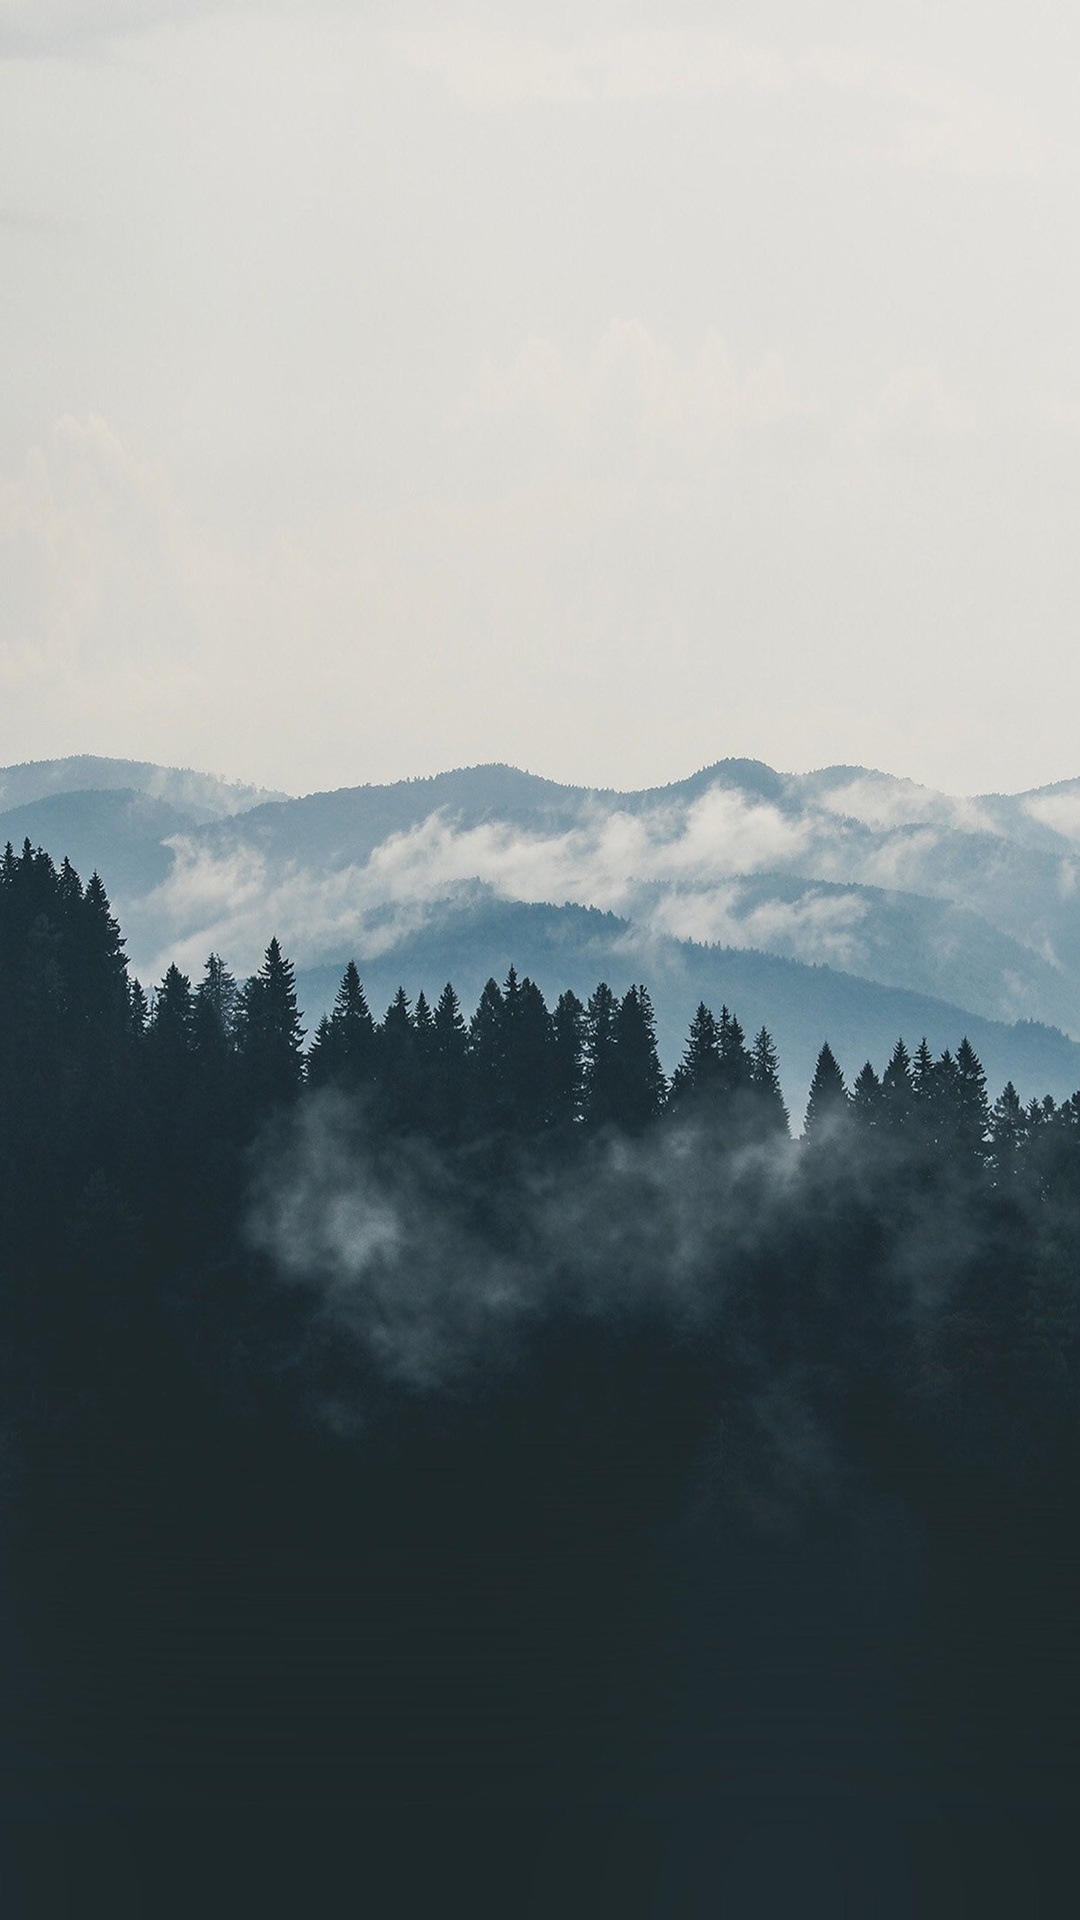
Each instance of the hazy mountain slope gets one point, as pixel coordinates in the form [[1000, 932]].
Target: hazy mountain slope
[[119, 833], [201, 796], [894, 938], [971, 901], [917, 892], [801, 1005], [345, 826]]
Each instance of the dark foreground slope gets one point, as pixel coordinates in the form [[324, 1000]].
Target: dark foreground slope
[[584, 1646], [519, 1511]]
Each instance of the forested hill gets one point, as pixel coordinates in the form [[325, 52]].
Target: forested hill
[[461, 1415], [814, 899], [581, 1064]]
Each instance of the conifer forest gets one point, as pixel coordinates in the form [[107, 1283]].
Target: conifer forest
[[443, 1456]]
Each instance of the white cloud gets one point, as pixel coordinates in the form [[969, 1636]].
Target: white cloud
[[821, 927], [884, 802], [623, 862], [1060, 811]]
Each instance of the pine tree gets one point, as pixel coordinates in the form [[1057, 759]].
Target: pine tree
[[1009, 1128], [398, 1091], [770, 1110], [866, 1098], [698, 1072], [972, 1111], [270, 1033], [487, 1059], [171, 1034], [342, 1053], [529, 1056], [95, 963], [601, 1074], [828, 1100], [897, 1103], [922, 1072], [448, 1072], [216, 1011], [735, 1068], [639, 1087], [69, 888], [946, 1101], [139, 1019], [568, 1060], [451, 1033], [926, 1101]]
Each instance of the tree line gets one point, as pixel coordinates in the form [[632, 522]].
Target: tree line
[[78, 1028], [141, 1112]]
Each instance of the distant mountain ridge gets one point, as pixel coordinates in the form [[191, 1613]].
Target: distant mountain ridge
[[971, 903], [201, 796]]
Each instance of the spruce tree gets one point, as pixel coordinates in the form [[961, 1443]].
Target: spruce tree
[[828, 1100], [601, 1074], [770, 1110], [922, 1072], [270, 1034], [567, 1060], [529, 1056], [448, 1072], [139, 1019], [170, 1038], [95, 963], [866, 1098], [487, 1059], [972, 1109], [698, 1072], [216, 1014], [735, 1069], [398, 1089], [946, 1102], [897, 1102], [926, 1086], [451, 1033], [639, 1087], [1009, 1127], [342, 1053]]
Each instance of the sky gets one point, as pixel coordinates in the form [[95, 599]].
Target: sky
[[605, 388]]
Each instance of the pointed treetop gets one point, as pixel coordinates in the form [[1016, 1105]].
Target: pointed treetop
[[828, 1094]]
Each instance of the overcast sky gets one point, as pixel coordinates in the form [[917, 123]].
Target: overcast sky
[[602, 388]]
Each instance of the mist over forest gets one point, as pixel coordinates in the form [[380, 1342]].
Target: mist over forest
[[539, 960], [444, 1443]]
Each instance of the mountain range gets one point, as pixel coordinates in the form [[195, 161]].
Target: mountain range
[[844, 903]]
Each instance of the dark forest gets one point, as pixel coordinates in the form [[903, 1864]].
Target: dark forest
[[446, 1464]]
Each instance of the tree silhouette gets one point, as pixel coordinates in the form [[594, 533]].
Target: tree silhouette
[[828, 1099], [270, 1033], [343, 1051]]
